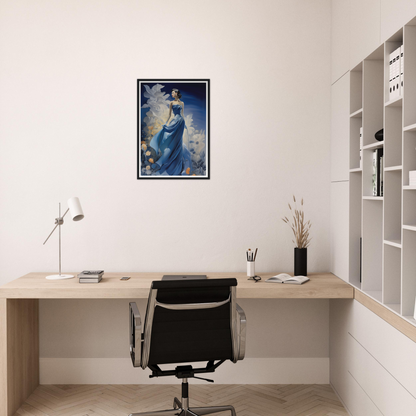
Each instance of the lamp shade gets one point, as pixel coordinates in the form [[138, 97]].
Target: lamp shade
[[75, 209]]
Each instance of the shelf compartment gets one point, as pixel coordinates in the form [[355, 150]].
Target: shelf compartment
[[409, 208], [409, 71], [392, 275], [409, 273], [393, 131], [356, 89], [375, 294], [372, 246], [392, 205], [395, 307], [355, 125], [409, 155], [373, 105], [355, 215], [367, 155]]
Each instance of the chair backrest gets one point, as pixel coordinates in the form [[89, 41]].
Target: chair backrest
[[190, 321]]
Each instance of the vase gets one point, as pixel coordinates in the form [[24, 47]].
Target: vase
[[301, 261]]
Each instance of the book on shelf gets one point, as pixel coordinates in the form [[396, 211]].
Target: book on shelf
[[374, 173], [377, 174], [381, 170]]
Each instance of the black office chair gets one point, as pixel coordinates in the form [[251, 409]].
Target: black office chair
[[186, 322]]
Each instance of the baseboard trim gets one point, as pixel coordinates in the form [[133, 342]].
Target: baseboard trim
[[248, 371]]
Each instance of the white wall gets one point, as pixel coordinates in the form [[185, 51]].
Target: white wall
[[68, 127]]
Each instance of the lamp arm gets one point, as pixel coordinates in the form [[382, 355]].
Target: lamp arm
[[58, 221], [65, 213]]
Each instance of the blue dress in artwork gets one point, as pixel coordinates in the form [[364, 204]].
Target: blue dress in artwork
[[175, 158]]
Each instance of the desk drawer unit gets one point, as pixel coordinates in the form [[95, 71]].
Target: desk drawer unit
[[372, 364], [390, 397], [359, 402]]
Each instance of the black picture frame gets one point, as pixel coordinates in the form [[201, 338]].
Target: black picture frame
[[153, 99]]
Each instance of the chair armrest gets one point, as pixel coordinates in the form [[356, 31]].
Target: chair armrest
[[241, 331], [135, 335]]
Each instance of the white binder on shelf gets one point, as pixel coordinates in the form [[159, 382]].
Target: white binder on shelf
[[395, 90], [391, 57], [401, 69]]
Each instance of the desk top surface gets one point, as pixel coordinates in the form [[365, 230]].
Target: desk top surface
[[35, 286]]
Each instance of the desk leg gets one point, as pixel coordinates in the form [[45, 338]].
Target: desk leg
[[19, 352]]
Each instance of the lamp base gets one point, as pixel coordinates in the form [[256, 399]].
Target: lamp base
[[60, 276]]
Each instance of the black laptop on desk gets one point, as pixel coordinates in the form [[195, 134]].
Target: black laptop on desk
[[184, 276]]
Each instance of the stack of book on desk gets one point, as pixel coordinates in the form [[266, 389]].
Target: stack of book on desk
[[91, 276]]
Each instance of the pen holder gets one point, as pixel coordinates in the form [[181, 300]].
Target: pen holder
[[251, 269]]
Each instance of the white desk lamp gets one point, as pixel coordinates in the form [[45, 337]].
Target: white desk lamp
[[74, 207]]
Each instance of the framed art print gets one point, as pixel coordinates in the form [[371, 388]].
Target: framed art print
[[173, 129]]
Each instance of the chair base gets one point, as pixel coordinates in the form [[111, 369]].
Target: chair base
[[179, 410]]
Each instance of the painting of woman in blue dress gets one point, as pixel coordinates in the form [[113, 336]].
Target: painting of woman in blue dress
[[173, 129]]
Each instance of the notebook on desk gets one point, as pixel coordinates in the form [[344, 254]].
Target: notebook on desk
[[184, 276]]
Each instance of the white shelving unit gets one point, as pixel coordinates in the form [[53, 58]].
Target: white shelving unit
[[384, 227]]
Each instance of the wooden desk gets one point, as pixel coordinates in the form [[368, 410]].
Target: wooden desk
[[19, 315]]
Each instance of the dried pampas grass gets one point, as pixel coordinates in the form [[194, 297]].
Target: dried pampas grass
[[299, 227]]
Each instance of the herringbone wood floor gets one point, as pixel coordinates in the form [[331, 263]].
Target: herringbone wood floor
[[121, 400]]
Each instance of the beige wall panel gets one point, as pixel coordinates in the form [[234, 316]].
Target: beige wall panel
[[340, 38], [394, 15], [364, 29], [340, 104]]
